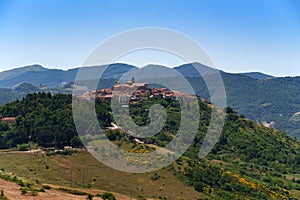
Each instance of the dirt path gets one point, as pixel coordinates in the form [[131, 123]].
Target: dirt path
[[95, 191], [12, 192]]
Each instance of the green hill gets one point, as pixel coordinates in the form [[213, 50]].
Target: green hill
[[268, 100], [249, 161]]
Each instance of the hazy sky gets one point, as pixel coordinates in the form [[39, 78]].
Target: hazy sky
[[254, 35]]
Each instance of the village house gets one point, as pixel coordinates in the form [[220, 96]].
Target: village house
[[9, 120], [133, 92]]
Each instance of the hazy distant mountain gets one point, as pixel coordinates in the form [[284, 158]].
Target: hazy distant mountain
[[18, 92], [25, 88], [258, 75], [37, 75], [9, 74], [272, 101], [189, 70], [8, 95]]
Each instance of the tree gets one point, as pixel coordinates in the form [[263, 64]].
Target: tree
[[3, 126], [76, 142], [229, 110]]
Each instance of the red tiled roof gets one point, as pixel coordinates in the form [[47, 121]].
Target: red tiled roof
[[9, 119]]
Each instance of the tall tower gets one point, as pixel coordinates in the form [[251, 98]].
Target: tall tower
[[133, 80]]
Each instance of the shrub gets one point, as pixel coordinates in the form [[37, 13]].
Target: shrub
[[20, 183], [33, 192], [23, 147], [49, 153], [46, 187], [227, 187], [108, 196], [87, 186], [199, 187], [140, 197], [67, 152], [24, 190], [75, 192], [155, 177]]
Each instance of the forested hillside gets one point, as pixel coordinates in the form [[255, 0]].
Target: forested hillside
[[40, 118], [249, 161], [274, 101]]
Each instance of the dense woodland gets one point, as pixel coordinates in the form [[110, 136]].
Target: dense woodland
[[42, 119], [248, 161]]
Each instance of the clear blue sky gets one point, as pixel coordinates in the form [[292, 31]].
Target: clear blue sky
[[254, 35]]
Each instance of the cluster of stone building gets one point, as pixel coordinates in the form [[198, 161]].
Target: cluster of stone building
[[134, 92]]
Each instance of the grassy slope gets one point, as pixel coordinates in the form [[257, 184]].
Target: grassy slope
[[105, 178]]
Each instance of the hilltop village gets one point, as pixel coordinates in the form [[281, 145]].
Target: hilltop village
[[135, 92]]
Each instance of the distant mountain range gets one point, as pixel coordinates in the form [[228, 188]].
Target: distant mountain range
[[273, 101], [38, 75], [258, 75]]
